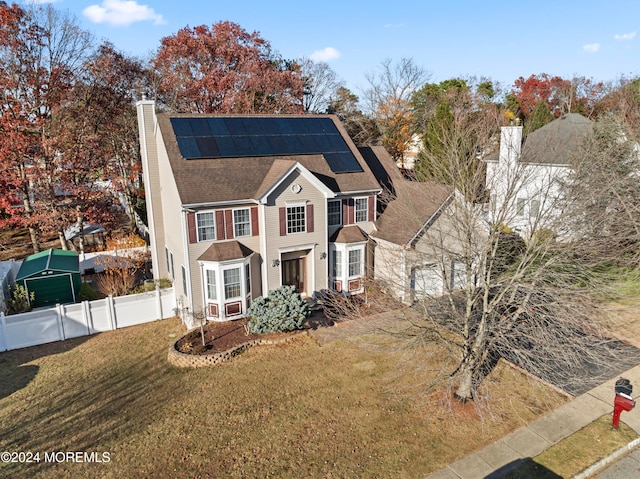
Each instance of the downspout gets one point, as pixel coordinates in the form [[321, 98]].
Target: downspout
[[187, 266]]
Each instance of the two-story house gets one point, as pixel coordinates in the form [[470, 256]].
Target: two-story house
[[524, 176], [240, 205]]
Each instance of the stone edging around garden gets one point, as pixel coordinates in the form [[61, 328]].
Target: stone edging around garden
[[184, 360]]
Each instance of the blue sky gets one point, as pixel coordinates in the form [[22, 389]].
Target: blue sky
[[498, 39]]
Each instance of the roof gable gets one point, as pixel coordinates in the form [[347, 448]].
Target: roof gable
[[272, 180], [410, 206]]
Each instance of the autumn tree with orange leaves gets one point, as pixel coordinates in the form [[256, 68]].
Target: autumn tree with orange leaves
[[576, 95], [225, 69], [64, 117], [388, 100], [40, 52]]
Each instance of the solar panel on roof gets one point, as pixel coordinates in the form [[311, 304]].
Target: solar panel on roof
[[232, 137]]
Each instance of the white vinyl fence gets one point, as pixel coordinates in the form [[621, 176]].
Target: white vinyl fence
[[65, 321]]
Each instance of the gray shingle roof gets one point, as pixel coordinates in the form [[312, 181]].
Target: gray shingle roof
[[231, 179], [410, 204], [554, 143]]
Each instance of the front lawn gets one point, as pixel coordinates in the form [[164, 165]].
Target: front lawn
[[293, 410]]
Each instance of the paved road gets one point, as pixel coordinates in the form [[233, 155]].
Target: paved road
[[626, 468]]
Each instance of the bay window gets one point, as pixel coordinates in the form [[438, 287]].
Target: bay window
[[347, 266]]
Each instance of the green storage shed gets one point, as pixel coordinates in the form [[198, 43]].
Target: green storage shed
[[53, 276]]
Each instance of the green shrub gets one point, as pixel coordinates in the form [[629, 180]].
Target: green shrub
[[21, 299], [87, 293], [281, 310]]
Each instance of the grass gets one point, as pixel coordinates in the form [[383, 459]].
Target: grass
[[577, 452], [289, 411]]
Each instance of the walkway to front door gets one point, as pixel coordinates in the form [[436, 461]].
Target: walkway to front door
[[293, 273]]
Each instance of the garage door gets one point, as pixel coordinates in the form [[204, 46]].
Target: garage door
[[51, 290], [427, 281]]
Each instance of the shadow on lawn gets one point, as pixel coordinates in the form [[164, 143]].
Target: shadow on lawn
[[15, 374], [92, 404]]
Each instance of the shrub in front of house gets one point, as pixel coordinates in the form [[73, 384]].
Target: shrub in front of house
[[281, 310]]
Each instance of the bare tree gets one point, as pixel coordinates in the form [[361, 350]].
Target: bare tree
[[388, 100], [120, 271], [483, 290], [320, 85]]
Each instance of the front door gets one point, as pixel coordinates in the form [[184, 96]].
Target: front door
[[293, 273]]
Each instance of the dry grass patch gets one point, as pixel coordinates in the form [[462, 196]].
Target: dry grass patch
[[287, 411], [577, 452]]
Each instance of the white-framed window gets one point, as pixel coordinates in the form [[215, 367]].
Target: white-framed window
[[356, 266], [520, 203], [184, 279], [211, 283], [334, 212], [361, 209], [172, 270], [232, 283], [247, 278], [206, 226], [296, 219], [242, 222], [336, 266]]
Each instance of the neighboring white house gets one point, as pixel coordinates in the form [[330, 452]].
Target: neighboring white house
[[524, 177], [408, 162]]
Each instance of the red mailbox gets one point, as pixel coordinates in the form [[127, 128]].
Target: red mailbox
[[623, 400]]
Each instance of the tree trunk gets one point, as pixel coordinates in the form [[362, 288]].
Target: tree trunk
[[80, 223], [35, 242], [466, 387], [26, 191], [63, 240]]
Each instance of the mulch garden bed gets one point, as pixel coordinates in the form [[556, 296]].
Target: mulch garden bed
[[225, 335]]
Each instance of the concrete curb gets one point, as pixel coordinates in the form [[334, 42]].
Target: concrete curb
[[611, 458]]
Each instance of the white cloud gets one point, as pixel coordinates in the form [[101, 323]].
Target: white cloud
[[325, 55], [121, 13], [591, 47], [625, 36]]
